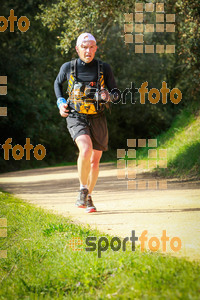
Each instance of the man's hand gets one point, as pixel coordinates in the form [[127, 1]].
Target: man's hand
[[63, 111], [105, 95]]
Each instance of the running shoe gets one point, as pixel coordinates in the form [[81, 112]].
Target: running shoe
[[89, 205], [82, 197]]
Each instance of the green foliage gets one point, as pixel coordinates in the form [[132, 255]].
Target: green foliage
[[71, 18], [30, 62], [182, 142], [188, 46]]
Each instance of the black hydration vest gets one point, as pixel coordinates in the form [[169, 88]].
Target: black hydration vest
[[84, 96]]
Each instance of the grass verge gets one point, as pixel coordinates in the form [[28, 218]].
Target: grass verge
[[182, 142], [42, 265]]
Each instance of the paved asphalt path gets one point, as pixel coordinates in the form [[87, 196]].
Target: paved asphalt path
[[120, 210]]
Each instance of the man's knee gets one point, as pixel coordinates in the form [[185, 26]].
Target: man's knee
[[84, 144], [95, 165], [85, 152], [95, 159]]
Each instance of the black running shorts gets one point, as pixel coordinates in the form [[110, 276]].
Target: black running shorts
[[93, 125]]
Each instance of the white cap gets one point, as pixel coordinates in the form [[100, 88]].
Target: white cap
[[85, 37]]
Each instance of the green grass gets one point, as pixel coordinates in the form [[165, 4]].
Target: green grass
[[182, 142], [41, 265]]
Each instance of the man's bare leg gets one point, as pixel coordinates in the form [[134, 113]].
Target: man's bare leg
[[84, 144], [94, 170], [88, 170]]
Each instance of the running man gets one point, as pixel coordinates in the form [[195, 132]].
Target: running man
[[84, 112]]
